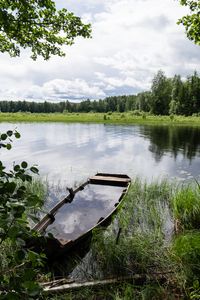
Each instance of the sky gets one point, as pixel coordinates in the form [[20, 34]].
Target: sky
[[131, 41]]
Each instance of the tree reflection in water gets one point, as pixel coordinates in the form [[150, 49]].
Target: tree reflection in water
[[173, 139]]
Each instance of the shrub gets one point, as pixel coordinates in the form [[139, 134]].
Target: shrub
[[18, 266]]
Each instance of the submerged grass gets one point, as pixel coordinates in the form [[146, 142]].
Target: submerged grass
[[106, 118], [145, 222]]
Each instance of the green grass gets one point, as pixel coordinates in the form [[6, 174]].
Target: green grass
[[186, 249], [186, 207], [107, 118], [144, 233]]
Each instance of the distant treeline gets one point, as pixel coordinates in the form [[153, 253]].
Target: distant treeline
[[167, 96]]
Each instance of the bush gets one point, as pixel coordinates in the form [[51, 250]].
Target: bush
[[18, 266]]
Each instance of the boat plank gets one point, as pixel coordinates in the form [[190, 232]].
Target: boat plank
[[109, 179]]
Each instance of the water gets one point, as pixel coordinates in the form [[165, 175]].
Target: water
[[86, 209], [70, 153]]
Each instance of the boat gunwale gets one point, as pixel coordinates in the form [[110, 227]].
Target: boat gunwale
[[46, 220]]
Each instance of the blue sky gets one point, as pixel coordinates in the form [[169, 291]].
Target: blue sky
[[131, 41]]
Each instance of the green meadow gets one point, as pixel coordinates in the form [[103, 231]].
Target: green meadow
[[106, 118]]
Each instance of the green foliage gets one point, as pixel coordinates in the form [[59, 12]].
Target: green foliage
[[191, 22], [195, 290], [18, 266], [136, 112], [37, 25], [161, 87]]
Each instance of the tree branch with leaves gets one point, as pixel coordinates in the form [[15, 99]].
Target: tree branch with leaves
[[191, 22], [38, 25]]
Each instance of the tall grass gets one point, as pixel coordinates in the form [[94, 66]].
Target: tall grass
[[145, 222], [186, 248], [186, 207]]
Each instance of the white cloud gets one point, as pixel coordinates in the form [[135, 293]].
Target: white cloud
[[57, 89], [132, 40]]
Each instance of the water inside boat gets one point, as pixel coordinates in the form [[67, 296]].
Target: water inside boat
[[88, 206]]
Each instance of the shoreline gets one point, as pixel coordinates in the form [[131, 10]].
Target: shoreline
[[100, 118]]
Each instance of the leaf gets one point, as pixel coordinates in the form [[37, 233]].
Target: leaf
[[13, 232], [28, 178], [17, 135], [9, 132], [34, 170], [16, 168], [9, 187], [33, 288], [3, 136], [24, 165], [20, 255], [8, 146]]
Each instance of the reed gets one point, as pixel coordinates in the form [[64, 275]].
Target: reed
[[186, 207]]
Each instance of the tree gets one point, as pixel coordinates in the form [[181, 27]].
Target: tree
[[161, 91], [192, 20], [177, 96], [38, 25]]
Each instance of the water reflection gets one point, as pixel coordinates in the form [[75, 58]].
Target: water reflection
[[69, 153], [173, 139], [86, 209]]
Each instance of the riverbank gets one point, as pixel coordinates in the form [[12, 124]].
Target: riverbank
[[158, 246], [105, 118], [159, 241]]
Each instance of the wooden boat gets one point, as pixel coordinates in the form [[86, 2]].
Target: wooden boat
[[84, 204]]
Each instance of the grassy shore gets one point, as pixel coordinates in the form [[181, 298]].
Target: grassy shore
[[159, 238], [106, 118]]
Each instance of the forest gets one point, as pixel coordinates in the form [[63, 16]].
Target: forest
[[167, 96]]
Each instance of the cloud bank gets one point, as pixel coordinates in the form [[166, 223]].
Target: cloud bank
[[132, 40]]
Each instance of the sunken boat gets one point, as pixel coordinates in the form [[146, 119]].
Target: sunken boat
[[69, 224]]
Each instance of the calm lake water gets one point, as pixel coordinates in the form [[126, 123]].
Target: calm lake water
[[69, 153]]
